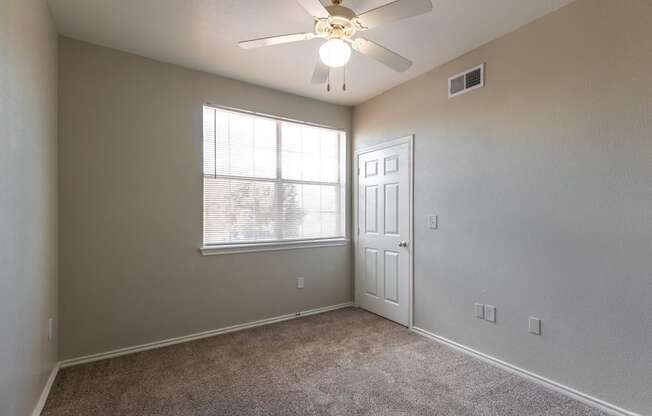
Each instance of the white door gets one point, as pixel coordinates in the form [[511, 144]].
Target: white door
[[383, 250]]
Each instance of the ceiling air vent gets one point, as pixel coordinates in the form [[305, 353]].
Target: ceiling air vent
[[466, 81]]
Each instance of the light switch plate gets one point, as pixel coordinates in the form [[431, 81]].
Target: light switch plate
[[479, 310], [300, 282], [433, 222], [534, 325], [490, 313]]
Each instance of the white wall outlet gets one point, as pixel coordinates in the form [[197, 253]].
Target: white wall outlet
[[433, 222], [534, 325], [490, 313], [479, 310], [50, 328], [300, 282]]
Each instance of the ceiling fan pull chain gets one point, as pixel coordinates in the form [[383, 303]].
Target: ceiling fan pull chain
[[328, 85], [344, 83]]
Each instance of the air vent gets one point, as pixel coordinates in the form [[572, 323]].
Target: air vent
[[466, 81]]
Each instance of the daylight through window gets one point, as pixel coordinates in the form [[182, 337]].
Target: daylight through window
[[268, 180]]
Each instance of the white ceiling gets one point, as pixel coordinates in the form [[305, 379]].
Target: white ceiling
[[203, 35]]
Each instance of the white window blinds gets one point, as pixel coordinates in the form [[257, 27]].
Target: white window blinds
[[268, 180]]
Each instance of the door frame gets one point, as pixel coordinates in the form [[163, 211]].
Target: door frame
[[356, 226]]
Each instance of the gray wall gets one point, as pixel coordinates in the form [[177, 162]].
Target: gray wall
[[28, 202], [131, 208], [543, 184]]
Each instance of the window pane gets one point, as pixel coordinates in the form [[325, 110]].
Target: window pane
[[237, 210], [309, 153], [320, 211], [239, 145]]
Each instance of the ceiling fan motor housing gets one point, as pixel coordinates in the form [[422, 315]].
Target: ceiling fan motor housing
[[340, 24]]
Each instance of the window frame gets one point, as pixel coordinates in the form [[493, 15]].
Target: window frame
[[288, 244]]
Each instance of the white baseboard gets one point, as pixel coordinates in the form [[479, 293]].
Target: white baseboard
[[558, 387], [46, 391], [187, 338]]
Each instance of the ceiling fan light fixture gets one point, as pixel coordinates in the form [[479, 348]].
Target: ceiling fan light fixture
[[335, 53]]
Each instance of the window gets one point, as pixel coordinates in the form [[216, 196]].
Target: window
[[271, 181]]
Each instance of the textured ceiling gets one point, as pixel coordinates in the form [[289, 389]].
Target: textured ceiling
[[203, 35]]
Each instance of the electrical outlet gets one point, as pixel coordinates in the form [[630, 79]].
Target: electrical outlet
[[479, 310], [490, 313], [50, 329], [300, 282], [534, 325], [433, 222]]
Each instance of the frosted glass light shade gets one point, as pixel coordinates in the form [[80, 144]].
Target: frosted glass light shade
[[335, 53]]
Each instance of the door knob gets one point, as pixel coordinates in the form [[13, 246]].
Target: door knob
[[402, 244]]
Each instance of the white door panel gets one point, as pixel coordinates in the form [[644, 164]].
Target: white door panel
[[371, 272], [382, 256], [392, 208], [392, 261]]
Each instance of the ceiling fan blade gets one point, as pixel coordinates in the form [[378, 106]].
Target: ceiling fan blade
[[382, 54], [320, 75], [314, 8], [275, 40], [396, 10]]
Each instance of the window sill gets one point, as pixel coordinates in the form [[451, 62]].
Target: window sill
[[275, 246]]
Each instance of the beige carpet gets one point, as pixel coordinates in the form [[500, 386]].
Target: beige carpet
[[346, 362]]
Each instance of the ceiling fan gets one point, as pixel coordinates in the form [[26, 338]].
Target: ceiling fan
[[339, 25]]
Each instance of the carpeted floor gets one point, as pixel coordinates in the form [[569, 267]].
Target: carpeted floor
[[346, 362]]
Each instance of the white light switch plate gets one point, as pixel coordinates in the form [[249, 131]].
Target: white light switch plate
[[490, 313], [433, 222], [300, 282], [479, 310], [534, 325]]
